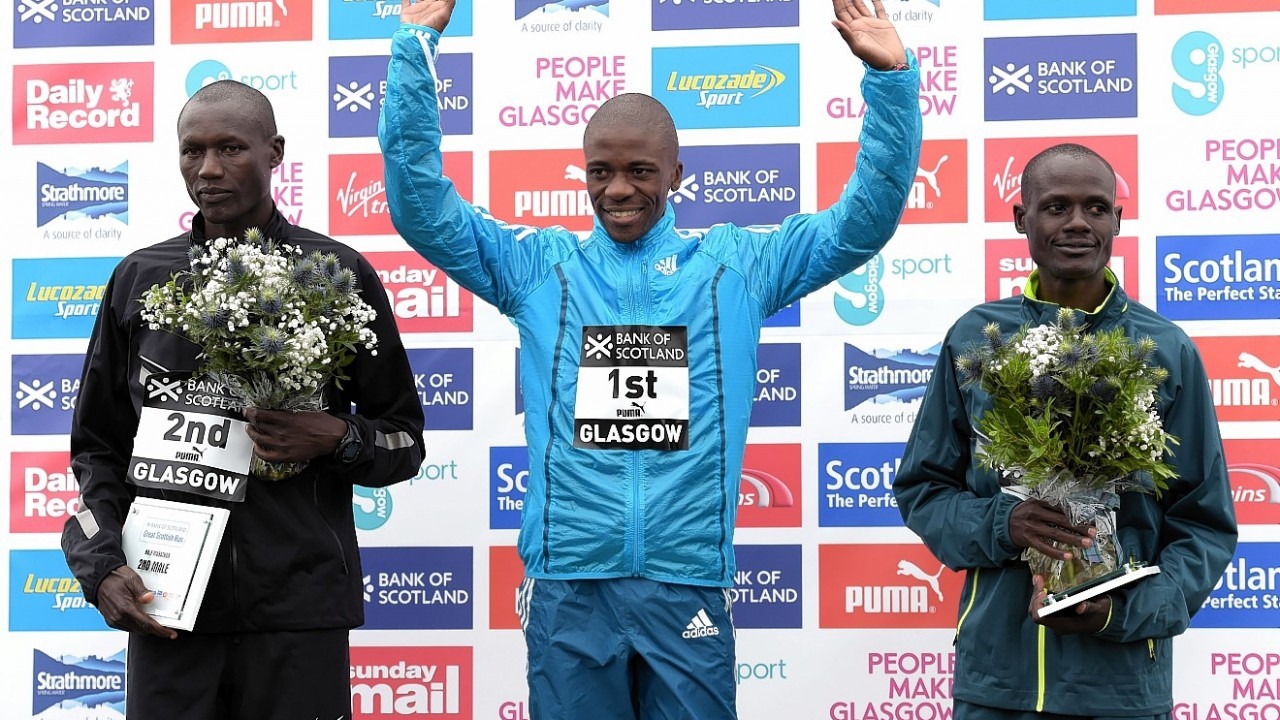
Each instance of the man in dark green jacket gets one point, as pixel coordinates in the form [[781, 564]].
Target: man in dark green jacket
[[1109, 656]]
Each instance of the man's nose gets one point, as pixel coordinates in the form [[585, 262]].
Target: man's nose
[[210, 165]]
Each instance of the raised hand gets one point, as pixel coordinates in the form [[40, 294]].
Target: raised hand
[[870, 35], [428, 13]]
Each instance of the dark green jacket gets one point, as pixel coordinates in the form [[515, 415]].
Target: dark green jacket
[[1005, 660]]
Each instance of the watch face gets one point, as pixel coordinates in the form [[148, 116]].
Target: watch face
[[350, 450]]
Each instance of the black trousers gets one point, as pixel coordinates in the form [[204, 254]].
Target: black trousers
[[250, 676]]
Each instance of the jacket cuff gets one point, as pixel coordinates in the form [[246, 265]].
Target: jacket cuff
[[1004, 541]]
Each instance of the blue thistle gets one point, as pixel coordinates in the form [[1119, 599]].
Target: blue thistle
[[1104, 391], [345, 281], [969, 367], [270, 303], [1071, 356], [995, 340], [303, 271], [1143, 350], [215, 319], [235, 266], [1043, 387], [269, 341]]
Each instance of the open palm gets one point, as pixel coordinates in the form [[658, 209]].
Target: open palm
[[869, 34], [428, 13]]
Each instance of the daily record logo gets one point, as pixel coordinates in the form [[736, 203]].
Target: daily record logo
[[82, 103], [357, 19], [43, 491], [1247, 594], [886, 375], [88, 683], [856, 484], [443, 379], [777, 398], [1254, 472], [1080, 76], [727, 87], [1005, 159], [44, 392], [43, 594], [508, 483], [58, 298], [707, 15], [422, 297], [1244, 376], [750, 184], [393, 682], [82, 193], [240, 21], [884, 586], [210, 71], [540, 187], [1218, 277], [769, 492], [767, 587], [1023, 10], [412, 588], [69, 23]]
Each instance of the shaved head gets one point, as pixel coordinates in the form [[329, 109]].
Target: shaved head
[[1031, 173], [634, 110], [253, 104]]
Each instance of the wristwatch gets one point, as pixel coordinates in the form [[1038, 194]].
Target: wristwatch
[[351, 445]]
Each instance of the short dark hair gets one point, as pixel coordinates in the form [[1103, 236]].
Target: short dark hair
[[1031, 173], [256, 106], [635, 110]]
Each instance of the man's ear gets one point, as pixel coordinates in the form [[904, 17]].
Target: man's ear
[[1116, 223], [1019, 218], [677, 177], [277, 150]]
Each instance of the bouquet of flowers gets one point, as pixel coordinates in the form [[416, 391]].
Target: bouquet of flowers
[[1073, 422], [274, 325]]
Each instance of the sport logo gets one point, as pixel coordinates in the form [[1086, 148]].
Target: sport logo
[[82, 103], [1006, 158], [859, 296], [1254, 473], [93, 683], [540, 187], [667, 265], [50, 23], [1244, 376], [422, 297], [769, 488], [392, 682], [58, 298], [884, 586], [79, 193], [1197, 60], [886, 374], [1081, 76], [240, 21], [700, 626], [1009, 266], [43, 594], [734, 86]]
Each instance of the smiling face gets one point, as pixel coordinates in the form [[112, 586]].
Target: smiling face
[[1070, 219], [632, 158], [226, 155]]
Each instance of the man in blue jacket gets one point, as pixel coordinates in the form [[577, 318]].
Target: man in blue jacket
[[1110, 656], [638, 357]]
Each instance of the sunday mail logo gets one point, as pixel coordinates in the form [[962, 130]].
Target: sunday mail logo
[[1200, 7], [82, 103], [939, 192], [1009, 265], [1244, 376], [1253, 468], [777, 402], [43, 393], [897, 586], [239, 21], [1063, 77], [855, 484], [506, 572], [768, 587], [1023, 10], [729, 87], [742, 184], [393, 682], [540, 188], [423, 298], [705, 15], [1218, 277], [769, 492], [1006, 158], [1247, 595], [417, 588], [50, 23], [43, 491]]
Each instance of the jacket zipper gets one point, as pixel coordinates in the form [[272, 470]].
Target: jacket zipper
[[973, 595], [315, 496], [1151, 649], [235, 571], [1040, 637], [634, 306]]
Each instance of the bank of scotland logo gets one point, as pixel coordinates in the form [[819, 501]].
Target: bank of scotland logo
[[1063, 77], [58, 23], [1197, 60]]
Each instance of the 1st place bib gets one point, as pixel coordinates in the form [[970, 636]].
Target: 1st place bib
[[633, 388]]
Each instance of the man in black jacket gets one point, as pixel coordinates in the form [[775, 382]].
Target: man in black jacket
[[271, 638]]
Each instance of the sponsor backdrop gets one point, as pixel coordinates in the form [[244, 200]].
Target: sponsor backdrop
[[824, 562]]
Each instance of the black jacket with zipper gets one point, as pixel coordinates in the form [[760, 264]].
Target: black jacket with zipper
[[289, 558]]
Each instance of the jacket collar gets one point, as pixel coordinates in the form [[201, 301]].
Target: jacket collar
[[277, 227], [1040, 311], [664, 227]]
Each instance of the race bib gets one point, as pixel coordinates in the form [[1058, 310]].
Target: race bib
[[191, 437], [633, 388]]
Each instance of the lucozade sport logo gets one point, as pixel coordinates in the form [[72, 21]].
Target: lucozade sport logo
[[729, 87]]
